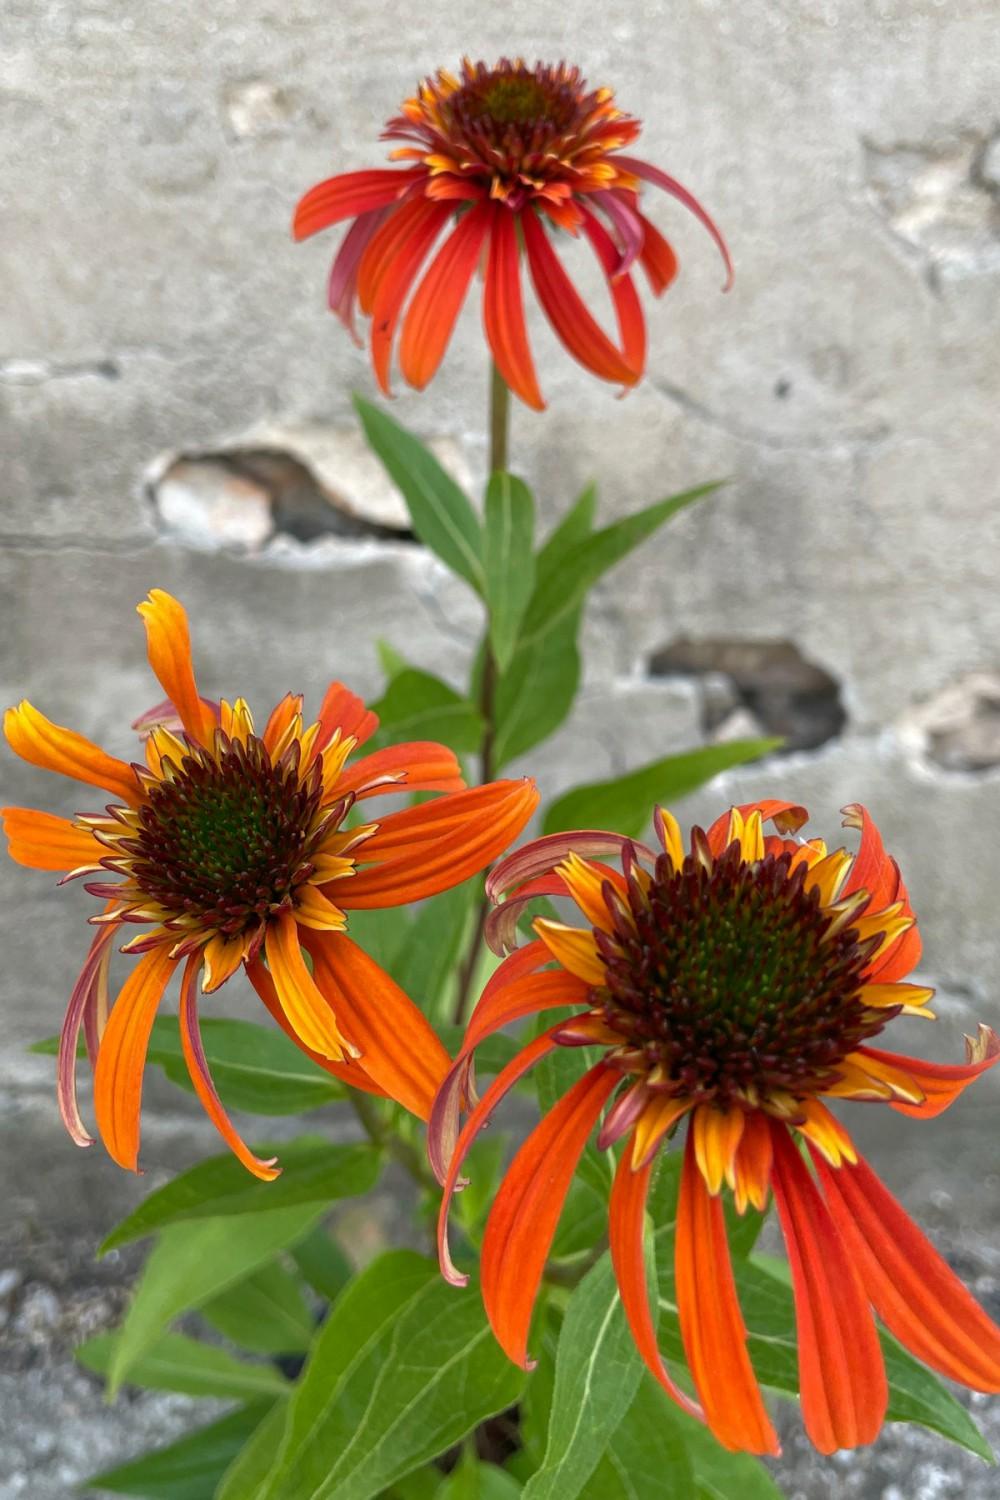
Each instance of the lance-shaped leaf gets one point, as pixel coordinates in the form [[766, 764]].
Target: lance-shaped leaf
[[647, 1455], [191, 1468], [178, 1363], [266, 1312], [509, 560], [441, 514], [625, 803], [404, 1367], [416, 705]]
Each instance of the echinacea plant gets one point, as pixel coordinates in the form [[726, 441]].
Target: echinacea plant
[[690, 1035]]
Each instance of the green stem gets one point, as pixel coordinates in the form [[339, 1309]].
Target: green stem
[[381, 1134], [499, 449]]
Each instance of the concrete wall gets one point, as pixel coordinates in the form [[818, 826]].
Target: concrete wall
[[154, 306]]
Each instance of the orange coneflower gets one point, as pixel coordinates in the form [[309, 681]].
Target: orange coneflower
[[230, 848], [739, 987], [503, 155]]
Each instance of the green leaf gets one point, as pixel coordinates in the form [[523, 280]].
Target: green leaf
[[537, 692], [323, 1264], [717, 1473], [313, 1171], [251, 1466], [389, 659], [509, 560], [255, 1068], [177, 1363], [472, 1480], [404, 1367], [626, 802], [597, 1375], [192, 1263], [266, 1312], [441, 514], [189, 1469], [426, 966], [645, 1456], [417, 705], [577, 523], [566, 576]]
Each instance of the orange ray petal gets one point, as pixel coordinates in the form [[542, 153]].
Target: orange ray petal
[[940, 1083], [626, 1218], [307, 1009], [80, 1012], [351, 1072], [566, 310], [525, 1212], [397, 279], [437, 302], [313, 909], [717, 1135], [420, 766], [786, 816], [400, 1049], [42, 841], [712, 1327], [122, 1056], [752, 1167], [341, 709], [347, 195], [878, 874], [825, 1131], [197, 1066], [628, 309], [657, 256], [384, 246], [221, 957], [503, 311], [282, 716], [41, 743], [573, 947], [168, 644], [430, 848], [841, 1371], [915, 1293]]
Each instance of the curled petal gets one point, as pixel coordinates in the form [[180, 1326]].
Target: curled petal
[[628, 309], [915, 1293], [347, 195], [629, 224], [841, 1371], [398, 1045], [197, 1066], [878, 873], [525, 1212], [44, 842], [502, 922], [939, 1083], [51, 747], [168, 642], [81, 1002], [676, 190], [786, 816], [541, 856], [503, 311], [626, 1218], [121, 1059]]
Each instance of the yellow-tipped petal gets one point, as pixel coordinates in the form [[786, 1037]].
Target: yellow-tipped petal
[[574, 948]]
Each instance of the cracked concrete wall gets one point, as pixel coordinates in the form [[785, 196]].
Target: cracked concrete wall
[[155, 306]]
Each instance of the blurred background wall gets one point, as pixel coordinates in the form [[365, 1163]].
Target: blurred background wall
[[175, 411]]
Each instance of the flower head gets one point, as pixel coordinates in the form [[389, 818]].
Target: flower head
[[736, 985], [230, 847], [502, 156]]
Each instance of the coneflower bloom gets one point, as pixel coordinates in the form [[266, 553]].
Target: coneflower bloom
[[229, 848], [738, 987], [500, 157]]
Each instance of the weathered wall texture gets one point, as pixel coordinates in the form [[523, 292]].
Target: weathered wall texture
[[155, 307]]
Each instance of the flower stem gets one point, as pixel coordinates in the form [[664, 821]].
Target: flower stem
[[382, 1135], [499, 449]]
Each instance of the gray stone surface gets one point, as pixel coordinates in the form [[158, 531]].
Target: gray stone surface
[[155, 307]]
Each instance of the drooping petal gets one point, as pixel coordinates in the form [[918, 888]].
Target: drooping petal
[[351, 1072], [752, 1167], [398, 1046], [566, 310], [658, 259], [525, 1212], [626, 1218], [341, 709], [501, 928], [437, 302], [122, 1056], [397, 279], [712, 1327], [915, 1293], [430, 848], [503, 311], [342, 286], [221, 958], [541, 856], [41, 743], [841, 1371], [716, 1134], [168, 643], [80, 1001], [628, 309], [621, 210], [41, 841], [197, 1066], [308, 1011], [347, 195], [940, 1083], [421, 766], [385, 244], [438, 1151], [676, 190]]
